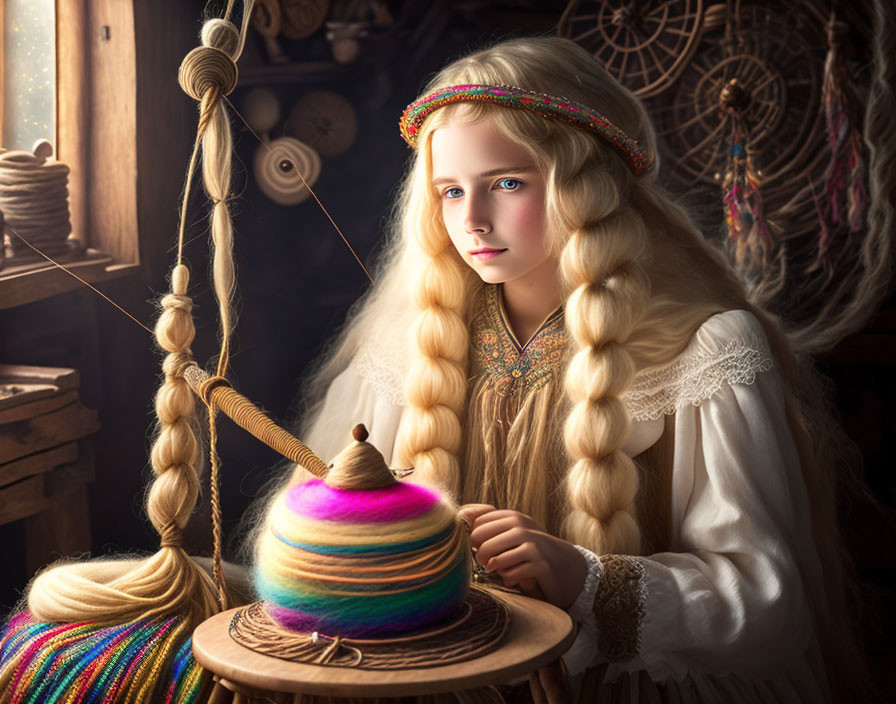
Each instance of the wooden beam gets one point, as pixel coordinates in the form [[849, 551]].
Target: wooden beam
[[72, 95], [112, 128]]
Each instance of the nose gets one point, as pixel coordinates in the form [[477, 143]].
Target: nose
[[476, 217]]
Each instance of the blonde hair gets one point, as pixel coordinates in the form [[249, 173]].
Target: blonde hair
[[621, 314], [639, 280]]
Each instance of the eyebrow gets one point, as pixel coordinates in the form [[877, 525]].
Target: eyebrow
[[489, 173]]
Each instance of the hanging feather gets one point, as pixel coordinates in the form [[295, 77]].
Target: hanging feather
[[842, 211], [744, 211]]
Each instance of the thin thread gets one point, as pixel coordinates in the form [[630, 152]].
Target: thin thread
[[73, 274], [217, 560], [310, 190]]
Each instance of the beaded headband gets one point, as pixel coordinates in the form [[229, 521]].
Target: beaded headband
[[547, 106]]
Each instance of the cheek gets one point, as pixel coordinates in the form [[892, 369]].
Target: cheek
[[529, 224]]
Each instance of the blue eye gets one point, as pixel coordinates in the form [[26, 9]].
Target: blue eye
[[509, 184], [453, 192]]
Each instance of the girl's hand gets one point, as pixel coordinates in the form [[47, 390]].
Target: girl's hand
[[524, 555]]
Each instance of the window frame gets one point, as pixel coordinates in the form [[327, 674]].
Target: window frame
[[96, 133]]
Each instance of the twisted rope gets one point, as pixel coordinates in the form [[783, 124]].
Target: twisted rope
[[460, 639], [217, 390]]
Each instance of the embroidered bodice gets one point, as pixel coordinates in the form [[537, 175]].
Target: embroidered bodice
[[498, 356]]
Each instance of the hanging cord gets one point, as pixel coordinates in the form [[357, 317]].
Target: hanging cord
[[207, 74], [214, 482]]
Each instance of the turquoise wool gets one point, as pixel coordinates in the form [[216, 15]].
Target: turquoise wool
[[412, 566]]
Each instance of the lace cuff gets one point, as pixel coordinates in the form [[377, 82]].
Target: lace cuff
[[581, 607], [619, 607]]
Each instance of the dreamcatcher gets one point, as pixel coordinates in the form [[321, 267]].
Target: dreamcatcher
[[644, 45], [754, 106], [744, 117]]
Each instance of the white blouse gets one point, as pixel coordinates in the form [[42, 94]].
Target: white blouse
[[723, 614]]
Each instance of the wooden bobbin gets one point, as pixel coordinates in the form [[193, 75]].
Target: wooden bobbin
[[302, 18], [277, 167]]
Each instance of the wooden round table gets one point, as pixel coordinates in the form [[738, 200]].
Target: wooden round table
[[539, 634]]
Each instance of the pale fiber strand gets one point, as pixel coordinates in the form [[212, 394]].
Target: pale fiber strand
[[168, 582]]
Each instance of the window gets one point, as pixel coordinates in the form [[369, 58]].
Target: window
[[29, 73]]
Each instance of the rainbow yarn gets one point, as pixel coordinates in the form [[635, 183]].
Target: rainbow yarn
[[79, 663], [361, 561]]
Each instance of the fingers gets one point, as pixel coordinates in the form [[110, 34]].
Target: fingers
[[483, 532], [526, 577], [498, 514], [504, 541], [490, 524], [512, 558], [470, 513]]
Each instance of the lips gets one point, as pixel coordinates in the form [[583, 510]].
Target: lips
[[485, 253]]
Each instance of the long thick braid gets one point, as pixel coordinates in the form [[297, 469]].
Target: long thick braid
[[609, 295], [175, 452], [437, 380]]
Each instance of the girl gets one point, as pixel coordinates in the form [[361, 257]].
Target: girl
[[551, 339]]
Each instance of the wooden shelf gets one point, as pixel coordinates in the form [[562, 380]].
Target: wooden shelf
[[26, 283]]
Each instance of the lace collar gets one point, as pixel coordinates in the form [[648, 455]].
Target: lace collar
[[498, 356]]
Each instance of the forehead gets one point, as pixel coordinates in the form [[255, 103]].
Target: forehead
[[460, 148]]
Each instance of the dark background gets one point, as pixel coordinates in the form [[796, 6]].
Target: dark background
[[297, 279]]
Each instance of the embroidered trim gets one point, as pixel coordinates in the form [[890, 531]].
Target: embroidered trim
[[619, 606], [695, 377], [583, 604], [513, 369]]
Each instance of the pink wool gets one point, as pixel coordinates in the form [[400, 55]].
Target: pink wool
[[314, 499]]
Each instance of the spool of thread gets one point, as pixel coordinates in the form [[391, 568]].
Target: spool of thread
[[277, 167], [34, 200], [361, 554]]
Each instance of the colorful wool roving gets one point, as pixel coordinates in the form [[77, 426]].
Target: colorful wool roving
[[80, 663], [387, 558]]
